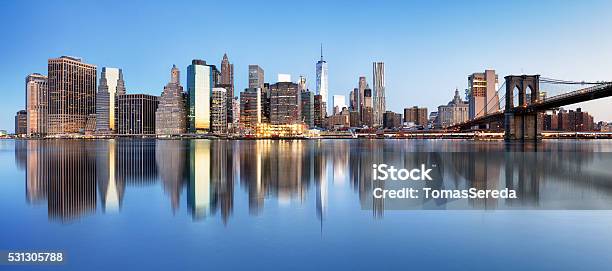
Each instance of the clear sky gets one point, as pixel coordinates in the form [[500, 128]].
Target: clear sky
[[429, 47]]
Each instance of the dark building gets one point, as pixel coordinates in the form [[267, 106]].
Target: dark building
[[416, 115], [319, 111], [72, 94], [227, 82], [392, 120], [21, 122], [284, 103], [355, 119], [307, 106], [251, 107], [136, 113], [569, 121]]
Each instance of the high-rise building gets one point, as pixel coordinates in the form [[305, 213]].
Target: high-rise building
[[361, 86], [111, 85], [322, 80], [319, 111], [284, 103], [171, 114], [307, 100], [235, 110], [302, 84], [378, 94], [367, 112], [416, 115], [21, 122], [482, 93], [256, 77], [456, 111], [251, 109], [72, 94], [218, 111], [200, 82], [37, 88], [339, 102], [227, 82], [136, 114]]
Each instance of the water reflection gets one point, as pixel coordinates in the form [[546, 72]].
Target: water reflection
[[70, 175]]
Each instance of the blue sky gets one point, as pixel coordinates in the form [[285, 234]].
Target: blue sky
[[429, 47]]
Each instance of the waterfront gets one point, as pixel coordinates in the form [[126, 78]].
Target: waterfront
[[304, 204]]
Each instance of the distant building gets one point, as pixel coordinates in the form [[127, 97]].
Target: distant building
[[200, 82], [361, 86], [307, 106], [482, 93], [37, 89], [340, 121], [339, 103], [256, 77], [227, 82], [378, 93], [455, 112], [218, 115], [416, 115], [136, 114], [355, 118], [284, 103], [571, 121], [171, 114], [111, 85], [322, 79], [21, 122], [235, 110], [72, 94], [302, 84], [392, 120], [353, 94], [367, 112], [251, 108]]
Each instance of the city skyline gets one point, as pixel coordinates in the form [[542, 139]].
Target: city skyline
[[407, 73]]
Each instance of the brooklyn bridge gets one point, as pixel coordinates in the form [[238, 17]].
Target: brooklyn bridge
[[520, 109]]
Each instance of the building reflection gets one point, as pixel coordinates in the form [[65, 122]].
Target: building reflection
[[70, 175]]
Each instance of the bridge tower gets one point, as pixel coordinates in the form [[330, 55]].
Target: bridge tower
[[521, 122]]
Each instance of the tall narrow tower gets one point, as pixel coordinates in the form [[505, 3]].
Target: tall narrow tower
[[322, 79]]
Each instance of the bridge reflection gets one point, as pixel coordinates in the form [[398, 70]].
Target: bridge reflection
[[77, 177]]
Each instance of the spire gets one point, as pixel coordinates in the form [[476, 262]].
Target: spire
[[174, 75], [225, 57], [321, 51]]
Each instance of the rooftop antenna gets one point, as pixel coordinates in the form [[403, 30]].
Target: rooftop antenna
[[321, 51]]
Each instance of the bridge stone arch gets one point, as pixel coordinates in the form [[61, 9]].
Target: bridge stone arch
[[522, 83], [519, 123]]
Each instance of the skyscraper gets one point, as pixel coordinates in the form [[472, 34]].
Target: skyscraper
[[322, 80], [227, 82], [256, 77], [136, 113], [307, 100], [72, 94], [251, 108], [171, 115], [37, 88], [284, 103], [319, 111], [379, 92], [21, 122], [218, 108], [482, 93], [111, 85], [362, 85], [200, 82]]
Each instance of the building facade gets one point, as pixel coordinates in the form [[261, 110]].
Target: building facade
[[307, 106], [111, 85], [218, 107], [392, 120], [319, 111], [251, 109], [37, 88], [416, 115], [136, 114], [200, 82], [171, 114], [21, 122], [227, 82], [284, 103], [482, 93], [256, 77], [72, 94], [455, 112], [378, 93]]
